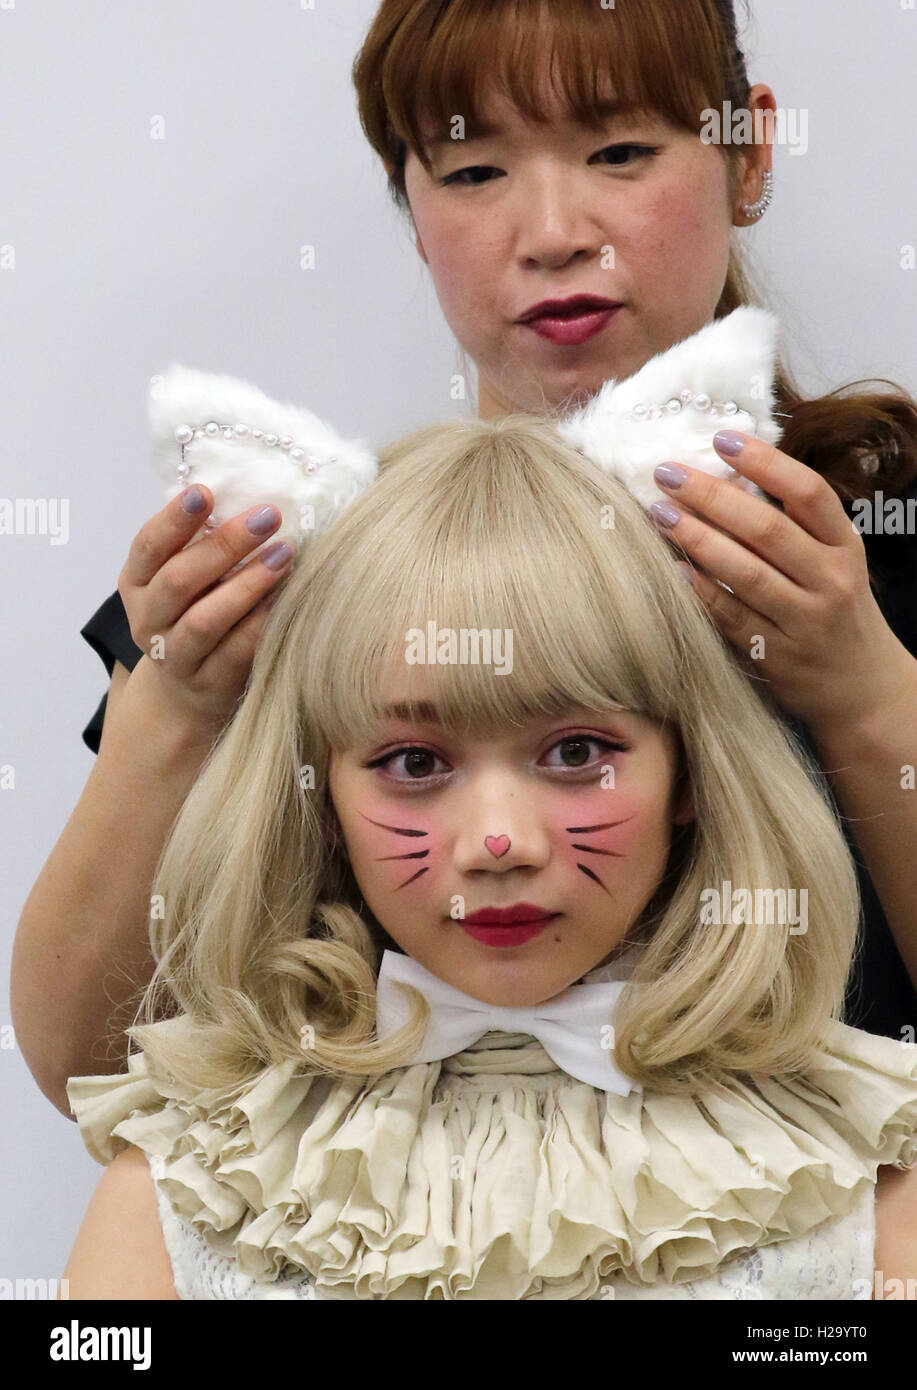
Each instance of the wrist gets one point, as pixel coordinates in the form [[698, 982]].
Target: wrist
[[884, 709], [169, 732]]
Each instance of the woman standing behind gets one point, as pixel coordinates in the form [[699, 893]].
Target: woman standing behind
[[569, 197]]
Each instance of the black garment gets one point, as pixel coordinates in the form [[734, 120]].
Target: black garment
[[108, 633], [880, 997]]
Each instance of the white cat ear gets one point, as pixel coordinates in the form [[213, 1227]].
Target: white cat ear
[[247, 448], [668, 412]]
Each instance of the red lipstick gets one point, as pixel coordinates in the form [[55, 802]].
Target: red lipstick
[[504, 916], [570, 321], [507, 926]]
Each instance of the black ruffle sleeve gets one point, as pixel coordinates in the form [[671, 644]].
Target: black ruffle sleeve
[[108, 633]]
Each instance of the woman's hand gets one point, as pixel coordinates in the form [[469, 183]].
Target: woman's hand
[[801, 611], [197, 628]]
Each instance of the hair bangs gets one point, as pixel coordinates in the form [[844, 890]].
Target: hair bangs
[[642, 55], [491, 624]]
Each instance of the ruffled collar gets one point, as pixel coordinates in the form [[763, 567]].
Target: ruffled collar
[[494, 1175]]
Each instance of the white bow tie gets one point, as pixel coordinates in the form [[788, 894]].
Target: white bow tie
[[574, 1027]]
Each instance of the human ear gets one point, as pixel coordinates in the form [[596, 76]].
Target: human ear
[[759, 158]]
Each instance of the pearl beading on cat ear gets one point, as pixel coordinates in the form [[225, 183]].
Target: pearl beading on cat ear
[[184, 435], [700, 401]]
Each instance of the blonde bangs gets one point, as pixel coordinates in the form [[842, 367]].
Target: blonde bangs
[[556, 614]]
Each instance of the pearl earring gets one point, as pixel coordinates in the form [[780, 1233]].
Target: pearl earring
[[758, 209]]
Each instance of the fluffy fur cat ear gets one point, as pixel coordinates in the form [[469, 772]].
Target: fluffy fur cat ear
[[247, 448], [669, 411]]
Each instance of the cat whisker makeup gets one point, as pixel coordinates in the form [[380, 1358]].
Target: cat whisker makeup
[[509, 863]]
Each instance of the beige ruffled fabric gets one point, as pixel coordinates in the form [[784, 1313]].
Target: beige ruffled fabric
[[494, 1175]]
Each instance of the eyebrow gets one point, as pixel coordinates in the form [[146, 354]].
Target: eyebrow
[[606, 110]]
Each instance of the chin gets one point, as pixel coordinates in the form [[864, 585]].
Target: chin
[[528, 982]]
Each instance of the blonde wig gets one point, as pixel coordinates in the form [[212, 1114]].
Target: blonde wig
[[498, 525]]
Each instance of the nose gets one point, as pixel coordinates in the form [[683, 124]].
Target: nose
[[555, 221], [499, 828]]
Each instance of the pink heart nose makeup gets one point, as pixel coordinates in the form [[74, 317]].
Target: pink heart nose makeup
[[497, 844]]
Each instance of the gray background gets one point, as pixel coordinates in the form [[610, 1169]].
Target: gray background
[[132, 253]]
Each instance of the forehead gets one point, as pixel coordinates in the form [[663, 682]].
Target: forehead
[[501, 119]]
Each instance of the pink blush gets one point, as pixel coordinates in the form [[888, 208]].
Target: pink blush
[[397, 841], [608, 822]]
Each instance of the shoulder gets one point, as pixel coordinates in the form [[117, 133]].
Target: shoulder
[[120, 1251], [896, 1223]]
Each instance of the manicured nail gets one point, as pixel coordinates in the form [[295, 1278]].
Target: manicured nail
[[666, 515], [729, 443], [670, 475], [193, 500], [276, 555], [262, 520]]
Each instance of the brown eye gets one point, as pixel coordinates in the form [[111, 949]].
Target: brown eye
[[461, 176], [642, 152], [417, 765], [575, 751], [418, 762]]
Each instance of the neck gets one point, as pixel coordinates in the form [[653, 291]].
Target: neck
[[490, 404]]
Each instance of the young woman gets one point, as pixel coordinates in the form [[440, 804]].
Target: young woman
[[690, 1121], [507, 220]]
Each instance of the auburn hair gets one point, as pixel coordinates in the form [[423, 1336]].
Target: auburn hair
[[424, 60]]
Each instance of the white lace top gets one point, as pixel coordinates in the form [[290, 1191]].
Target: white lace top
[[835, 1261]]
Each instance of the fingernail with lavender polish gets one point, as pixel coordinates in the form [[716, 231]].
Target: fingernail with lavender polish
[[193, 500], [277, 555], [729, 443], [665, 514], [670, 475]]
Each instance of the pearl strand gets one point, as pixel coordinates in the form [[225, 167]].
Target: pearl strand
[[184, 434], [701, 401]]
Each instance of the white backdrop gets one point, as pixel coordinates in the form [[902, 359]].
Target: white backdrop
[[129, 253]]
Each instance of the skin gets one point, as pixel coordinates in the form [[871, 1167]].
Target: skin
[[531, 787], [535, 229]]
